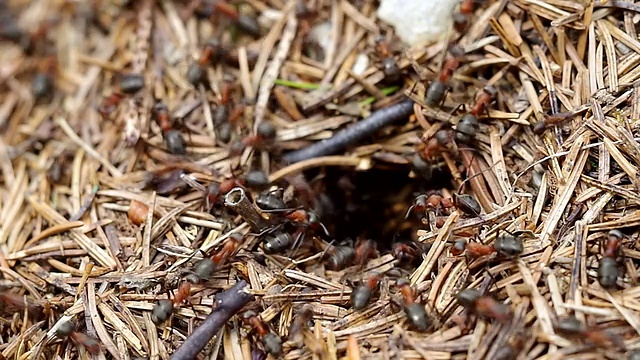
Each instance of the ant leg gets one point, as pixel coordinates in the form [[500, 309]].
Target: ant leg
[[299, 237]]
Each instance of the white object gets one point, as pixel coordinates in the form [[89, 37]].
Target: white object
[[418, 21]]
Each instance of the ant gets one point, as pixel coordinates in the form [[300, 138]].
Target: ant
[[212, 52], [390, 67], [11, 31], [129, 84], [300, 323], [468, 204], [43, 84], [265, 134], [362, 294], [572, 327], [483, 305], [204, 268], [421, 167], [244, 23], [163, 309], [443, 140], [277, 243], [436, 92], [67, 329], [552, 120], [256, 179], [173, 138], [365, 250], [213, 194], [415, 311], [224, 118], [508, 246], [405, 252], [340, 257], [272, 342], [435, 201], [608, 269], [270, 200], [461, 18], [468, 126]]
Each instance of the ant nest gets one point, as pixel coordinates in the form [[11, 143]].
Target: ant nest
[[477, 192]]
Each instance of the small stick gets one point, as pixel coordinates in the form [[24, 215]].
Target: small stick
[[238, 201], [354, 133], [227, 304]]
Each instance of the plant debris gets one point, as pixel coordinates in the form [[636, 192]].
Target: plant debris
[[283, 179]]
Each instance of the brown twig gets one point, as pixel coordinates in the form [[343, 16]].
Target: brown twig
[[227, 304], [237, 200]]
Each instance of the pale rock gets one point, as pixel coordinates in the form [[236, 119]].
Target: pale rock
[[418, 21]]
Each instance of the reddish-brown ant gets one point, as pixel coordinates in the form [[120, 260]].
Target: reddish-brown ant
[[173, 138], [468, 126], [572, 327], [362, 294], [508, 246], [390, 67], [67, 329], [468, 204], [553, 120], [442, 141], [265, 134], [474, 301], [405, 252], [204, 268], [434, 201], [300, 323], [365, 250], [608, 268], [129, 84], [415, 311], [211, 53], [43, 83], [437, 89], [461, 18], [163, 309], [272, 342], [224, 119], [279, 242], [340, 257], [244, 23]]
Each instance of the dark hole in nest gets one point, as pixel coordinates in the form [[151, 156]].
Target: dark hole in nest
[[372, 204]]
